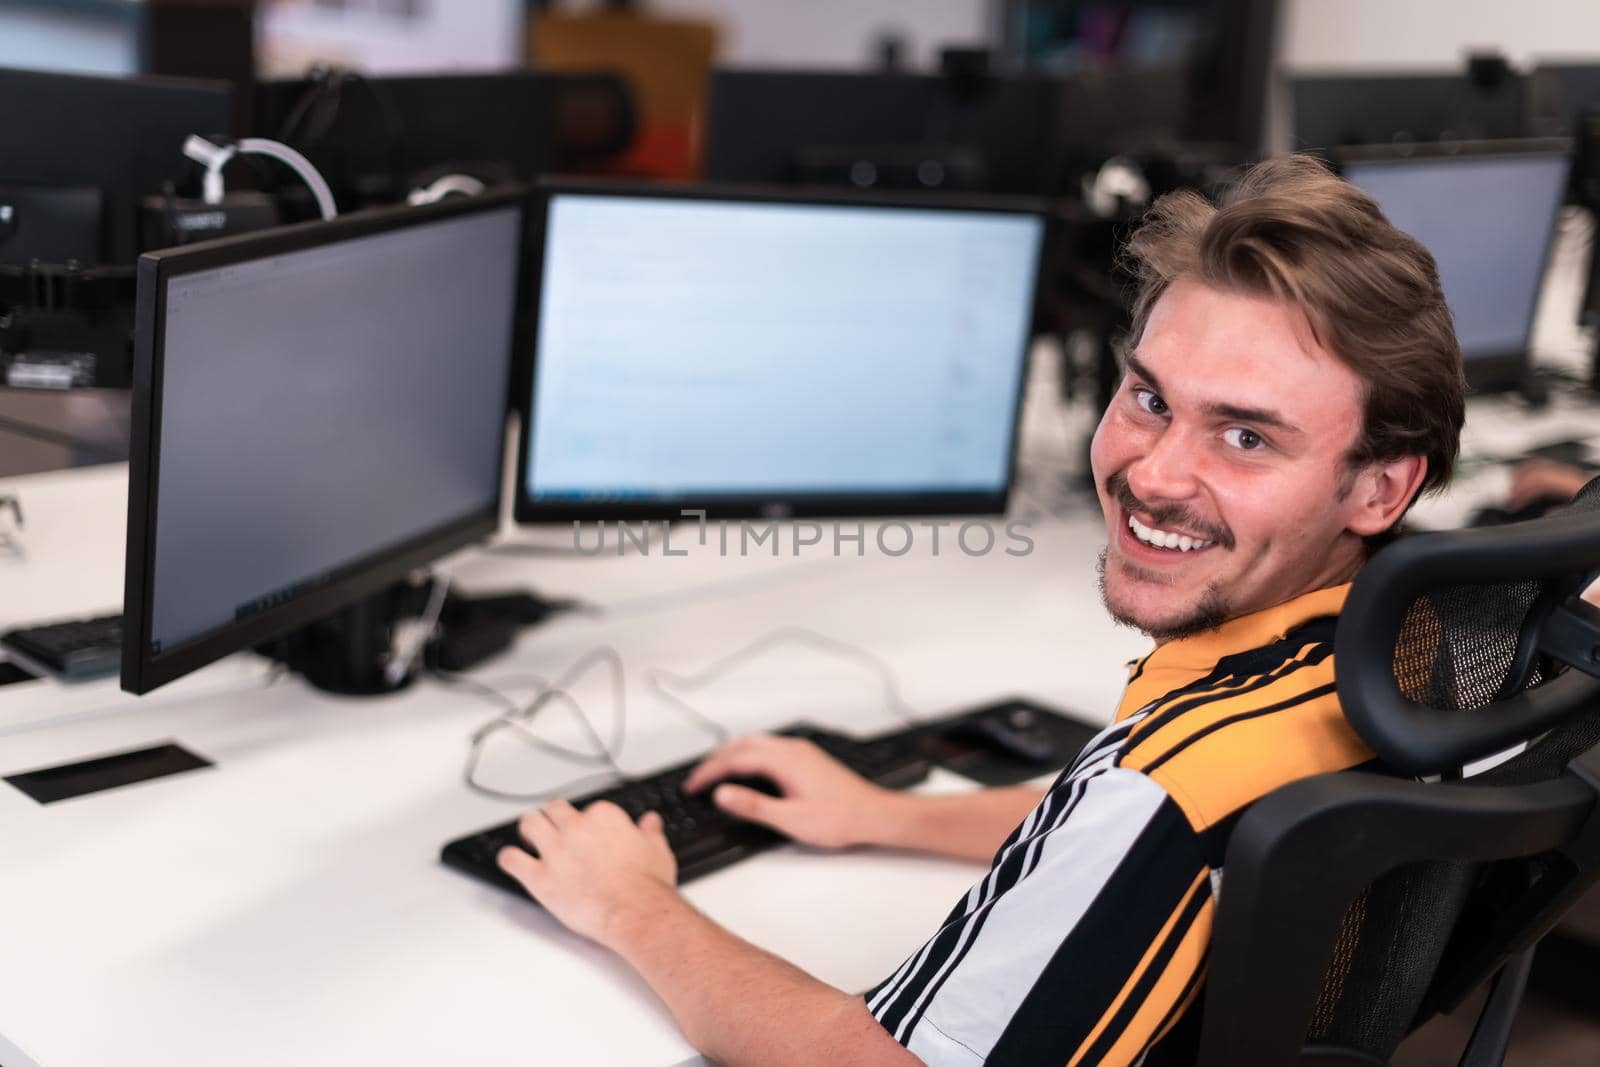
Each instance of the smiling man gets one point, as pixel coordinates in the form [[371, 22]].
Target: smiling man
[[1294, 382]]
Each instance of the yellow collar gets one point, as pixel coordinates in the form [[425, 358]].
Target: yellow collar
[[1177, 662]]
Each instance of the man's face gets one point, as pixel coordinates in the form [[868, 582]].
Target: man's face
[[1221, 464]]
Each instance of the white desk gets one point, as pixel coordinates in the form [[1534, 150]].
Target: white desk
[[286, 906]]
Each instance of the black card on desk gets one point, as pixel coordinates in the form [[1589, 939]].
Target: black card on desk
[[10, 673], [67, 780], [1007, 742]]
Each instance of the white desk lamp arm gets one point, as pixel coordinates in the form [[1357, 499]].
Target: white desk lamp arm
[[214, 157]]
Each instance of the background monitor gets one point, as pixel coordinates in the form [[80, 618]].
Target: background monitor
[[1488, 214], [1559, 94], [78, 142], [1150, 74], [1331, 111], [318, 409], [962, 131], [374, 139], [83, 38], [1564, 99], [774, 354]]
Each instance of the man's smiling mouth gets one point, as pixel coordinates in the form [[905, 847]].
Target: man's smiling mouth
[[1144, 522], [1171, 539]]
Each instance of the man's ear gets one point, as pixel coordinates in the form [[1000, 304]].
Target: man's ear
[[1382, 492]]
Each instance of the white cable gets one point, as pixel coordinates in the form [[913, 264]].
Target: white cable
[[400, 664], [458, 184], [214, 157], [299, 164]]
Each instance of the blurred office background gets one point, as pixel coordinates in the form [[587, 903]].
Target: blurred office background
[[389, 36], [1030, 97]]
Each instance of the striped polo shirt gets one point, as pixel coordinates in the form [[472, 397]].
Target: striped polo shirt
[[1086, 942]]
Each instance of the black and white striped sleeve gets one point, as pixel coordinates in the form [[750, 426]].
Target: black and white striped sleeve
[[1084, 943]]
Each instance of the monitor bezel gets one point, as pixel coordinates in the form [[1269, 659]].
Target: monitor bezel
[[1508, 369], [143, 670], [528, 511]]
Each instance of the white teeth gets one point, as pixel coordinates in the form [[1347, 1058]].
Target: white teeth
[[1165, 538]]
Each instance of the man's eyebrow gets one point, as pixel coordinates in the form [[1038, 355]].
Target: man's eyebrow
[[1142, 371], [1257, 416], [1218, 410]]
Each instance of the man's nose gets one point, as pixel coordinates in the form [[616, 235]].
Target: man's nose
[[1168, 471]]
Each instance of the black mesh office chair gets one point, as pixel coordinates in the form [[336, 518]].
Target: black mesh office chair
[[1355, 906]]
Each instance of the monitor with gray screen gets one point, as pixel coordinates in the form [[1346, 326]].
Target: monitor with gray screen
[[1489, 218], [317, 408]]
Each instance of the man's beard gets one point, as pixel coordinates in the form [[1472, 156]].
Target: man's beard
[[1212, 610], [1210, 613]]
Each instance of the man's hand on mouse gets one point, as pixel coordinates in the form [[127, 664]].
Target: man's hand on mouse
[[824, 803]]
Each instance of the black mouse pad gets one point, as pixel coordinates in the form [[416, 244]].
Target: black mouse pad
[[1055, 736]]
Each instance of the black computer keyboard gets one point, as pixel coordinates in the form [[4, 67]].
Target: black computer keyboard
[[76, 650], [702, 836]]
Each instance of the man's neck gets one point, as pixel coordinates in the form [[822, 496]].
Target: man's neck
[[1336, 577]]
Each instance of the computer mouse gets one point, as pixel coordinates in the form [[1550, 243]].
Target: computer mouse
[[1011, 735]]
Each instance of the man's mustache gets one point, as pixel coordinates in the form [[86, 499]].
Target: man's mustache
[[1167, 515]]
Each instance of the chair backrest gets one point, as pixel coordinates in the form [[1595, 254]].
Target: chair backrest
[[1357, 905]]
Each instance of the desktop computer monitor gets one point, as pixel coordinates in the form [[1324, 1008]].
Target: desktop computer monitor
[[78, 153], [1488, 214], [318, 410], [953, 132], [773, 353]]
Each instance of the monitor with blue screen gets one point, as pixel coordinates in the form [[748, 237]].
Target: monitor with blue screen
[[774, 354], [1488, 214]]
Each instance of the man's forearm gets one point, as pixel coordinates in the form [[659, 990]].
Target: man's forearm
[[740, 1005], [965, 825]]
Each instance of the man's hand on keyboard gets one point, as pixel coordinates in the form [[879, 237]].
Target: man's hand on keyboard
[[593, 865], [824, 803]]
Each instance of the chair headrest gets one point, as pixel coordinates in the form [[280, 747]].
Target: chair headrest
[[1444, 646]]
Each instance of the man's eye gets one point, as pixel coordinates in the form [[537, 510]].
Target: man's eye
[[1149, 401], [1243, 439]]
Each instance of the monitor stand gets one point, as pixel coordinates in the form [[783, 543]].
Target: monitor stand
[[349, 652]]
